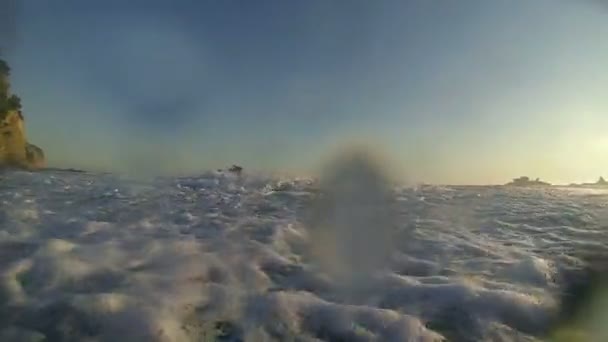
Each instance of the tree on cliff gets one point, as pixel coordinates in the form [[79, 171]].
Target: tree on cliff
[[14, 102], [5, 70], [7, 102], [4, 85]]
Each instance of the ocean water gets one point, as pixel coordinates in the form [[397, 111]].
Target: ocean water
[[98, 257]]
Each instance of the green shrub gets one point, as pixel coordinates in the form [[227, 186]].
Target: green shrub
[[7, 102]]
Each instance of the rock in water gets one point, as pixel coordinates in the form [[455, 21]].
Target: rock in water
[[35, 156], [236, 169]]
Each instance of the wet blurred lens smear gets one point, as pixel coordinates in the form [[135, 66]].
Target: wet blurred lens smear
[[583, 312], [352, 219]]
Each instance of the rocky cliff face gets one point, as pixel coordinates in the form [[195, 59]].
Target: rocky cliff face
[[15, 151], [12, 139]]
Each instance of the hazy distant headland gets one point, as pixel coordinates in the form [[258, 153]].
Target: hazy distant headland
[[525, 181], [601, 183]]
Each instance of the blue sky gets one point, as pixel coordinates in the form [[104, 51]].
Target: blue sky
[[449, 91]]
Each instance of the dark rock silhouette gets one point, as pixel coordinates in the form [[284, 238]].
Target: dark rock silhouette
[[238, 170], [526, 181]]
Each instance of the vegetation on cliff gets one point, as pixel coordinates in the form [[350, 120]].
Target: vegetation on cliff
[[8, 102]]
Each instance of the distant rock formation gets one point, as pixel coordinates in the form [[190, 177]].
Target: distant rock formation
[[601, 182], [526, 181], [236, 169], [15, 151]]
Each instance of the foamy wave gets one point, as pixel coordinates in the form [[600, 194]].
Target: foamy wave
[[87, 256]]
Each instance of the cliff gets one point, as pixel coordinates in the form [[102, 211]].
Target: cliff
[[15, 151]]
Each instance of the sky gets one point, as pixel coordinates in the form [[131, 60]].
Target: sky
[[458, 92]]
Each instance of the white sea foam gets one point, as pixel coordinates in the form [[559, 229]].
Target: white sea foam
[[90, 257]]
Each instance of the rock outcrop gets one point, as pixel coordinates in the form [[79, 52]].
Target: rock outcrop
[[15, 151], [236, 169], [601, 182], [526, 181]]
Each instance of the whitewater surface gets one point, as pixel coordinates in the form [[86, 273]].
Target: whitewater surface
[[96, 257]]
